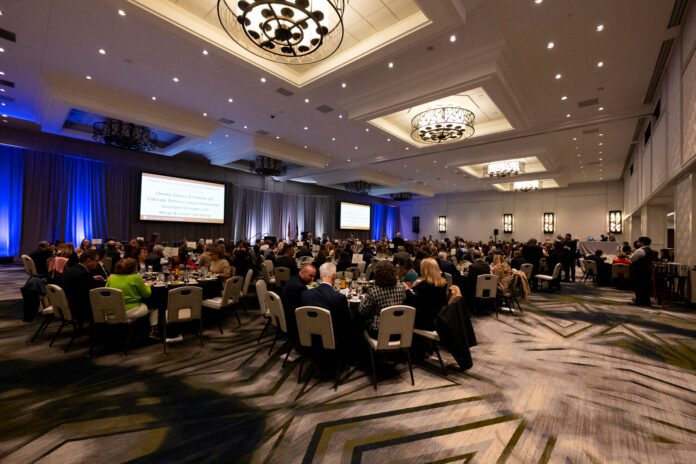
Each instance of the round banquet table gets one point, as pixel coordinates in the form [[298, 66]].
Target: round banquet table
[[158, 299]]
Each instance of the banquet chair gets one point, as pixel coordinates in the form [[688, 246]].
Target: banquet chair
[[369, 272], [282, 275], [231, 295], [433, 338], [395, 334], [448, 278], [61, 311], [183, 305], [554, 278], [29, 266], [275, 308], [245, 289], [261, 290], [48, 315], [361, 267], [581, 260], [312, 320], [109, 308], [620, 273], [486, 290], [528, 269], [353, 271], [512, 292], [590, 271]]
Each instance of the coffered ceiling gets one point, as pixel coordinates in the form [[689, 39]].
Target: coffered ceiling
[[167, 64]]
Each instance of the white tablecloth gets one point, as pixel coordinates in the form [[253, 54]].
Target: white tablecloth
[[589, 248]]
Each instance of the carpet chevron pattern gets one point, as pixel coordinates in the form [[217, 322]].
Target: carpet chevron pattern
[[574, 379]]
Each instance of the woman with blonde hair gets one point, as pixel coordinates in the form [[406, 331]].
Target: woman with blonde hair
[[430, 294], [503, 271]]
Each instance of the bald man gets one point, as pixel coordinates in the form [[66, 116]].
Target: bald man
[[291, 293]]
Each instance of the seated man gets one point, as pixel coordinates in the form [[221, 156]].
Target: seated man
[[41, 256], [324, 296], [291, 293], [287, 260], [477, 268], [78, 281]]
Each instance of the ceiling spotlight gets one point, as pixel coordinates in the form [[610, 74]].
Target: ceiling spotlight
[[3, 104], [2, 73], [453, 38], [306, 100], [600, 64], [230, 100], [568, 115], [2, 90], [558, 76], [102, 51], [277, 137], [601, 143], [122, 13], [333, 139], [564, 98], [263, 79], [538, 2], [388, 140], [340, 116], [575, 138], [305, 146], [306, 128], [175, 79], [601, 108], [391, 64], [89, 78], [154, 98], [356, 147], [205, 52], [367, 129], [406, 148], [550, 45], [600, 28], [2, 50], [343, 85], [348, 160], [205, 114], [245, 127], [227, 135], [601, 134]]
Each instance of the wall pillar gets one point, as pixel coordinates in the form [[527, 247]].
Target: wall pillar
[[657, 226]]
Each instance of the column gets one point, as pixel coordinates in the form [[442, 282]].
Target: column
[[685, 220]]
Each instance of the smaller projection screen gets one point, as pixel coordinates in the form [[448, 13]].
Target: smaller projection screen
[[355, 216], [164, 198]]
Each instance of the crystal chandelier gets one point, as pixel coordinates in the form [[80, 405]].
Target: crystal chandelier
[[401, 196], [265, 166], [124, 135], [442, 125], [504, 169], [287, 31], [358, 186], [526, 185]]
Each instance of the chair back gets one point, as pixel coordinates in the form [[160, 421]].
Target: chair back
[[29, 266], [247, 282], [486, 286], [268, 264], [582, 264], [232, 291], [59, 302], [184, 304], [312, 320], [261, 289], [108, 305], [56, 265], [556, 272], [282, 275], [527, 268], [306, 260], [361, 267], [591, 267], [620, 271], [396, 327], [448, 278], [107, 262], [275, 308], [369, 272]]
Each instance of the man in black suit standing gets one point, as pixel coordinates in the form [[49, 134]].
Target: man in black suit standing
[[532, 253], [324, 296], [78, 281], [398, 241], [291, 293]]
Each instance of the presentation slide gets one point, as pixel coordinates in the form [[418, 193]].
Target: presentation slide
[[164, 198], [354, 216]]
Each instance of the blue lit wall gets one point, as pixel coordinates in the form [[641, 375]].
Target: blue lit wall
[[383, 221], [11, 180]]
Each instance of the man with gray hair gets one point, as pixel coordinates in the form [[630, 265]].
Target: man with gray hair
[[324, 296]]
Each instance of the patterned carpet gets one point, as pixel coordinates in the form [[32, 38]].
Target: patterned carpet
[[579, 377]]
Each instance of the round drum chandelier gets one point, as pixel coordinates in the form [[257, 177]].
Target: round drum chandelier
[[526, 186], [501, 169], [358, 186], [442, 125], [286, 31], [265, 166], [124, 135]]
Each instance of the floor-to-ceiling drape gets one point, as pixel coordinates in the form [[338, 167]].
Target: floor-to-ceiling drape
[[384, 221], [11, 181]]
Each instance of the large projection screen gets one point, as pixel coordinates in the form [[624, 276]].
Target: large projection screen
[[164, 198], [354, 216]]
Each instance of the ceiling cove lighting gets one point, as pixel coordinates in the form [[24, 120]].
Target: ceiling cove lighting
[[443, 125], [124, 135], [526, 186], [501, 169], [549, 223], [291, 32], [615, 222], [507, 223], [442, 224]]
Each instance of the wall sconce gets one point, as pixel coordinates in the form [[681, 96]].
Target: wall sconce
[[507, 223], [442, 224], [548, 223], [615, 222]]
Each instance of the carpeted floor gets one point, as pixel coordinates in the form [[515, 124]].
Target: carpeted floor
[[580, 377]]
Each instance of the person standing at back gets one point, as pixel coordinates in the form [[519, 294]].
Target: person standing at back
[[641, 271]]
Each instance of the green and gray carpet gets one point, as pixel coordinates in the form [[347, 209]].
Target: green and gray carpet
[[575, 379]]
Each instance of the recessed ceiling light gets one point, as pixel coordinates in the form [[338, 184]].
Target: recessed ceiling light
[[122, 13], [600, 64], [601, 108], [2, 90], [367, 129], [4, 115], [600, 159], [453, 38], [406, 148], [343, 85], [154, 98], [340, 116], [277, 137], [175, 79], [348, 160], [538, 1], [210, 142], [356, 147], [227, 135], [333, 139], [2, 50], [305, 146], [263, 79], [3, 104], [245, 127], [231, 100], [388, 140], [102, 51], [205, 52], [568, 115], [564, 98], [391, 64], [2, 73], [306, 128], [601, 143], [599, 28], [578, 154], [575, 138], [205, 114], [558, 76], [550, 45], [89, 78]]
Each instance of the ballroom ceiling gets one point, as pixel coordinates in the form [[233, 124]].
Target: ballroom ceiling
[[573, 106]]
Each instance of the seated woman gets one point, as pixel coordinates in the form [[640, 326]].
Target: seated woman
[[430, 294], [387, 291], [320, 259], [68, 251], [181, 260], [142, 260], [219, 265], [408, 275], [503, 271], [621, 258], [84, 245], [344, 262], [133, 287]]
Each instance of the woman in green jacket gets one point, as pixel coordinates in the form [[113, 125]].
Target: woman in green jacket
[[133, 287]]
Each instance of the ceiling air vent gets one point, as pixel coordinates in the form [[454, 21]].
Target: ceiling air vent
[[7, 83], [7, 35], [590, 102], [590, 131], [225, 121], [262, 132], [285, 92], [325, 109], [677, 13]]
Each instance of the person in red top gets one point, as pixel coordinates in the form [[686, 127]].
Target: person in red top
[[621, 258]]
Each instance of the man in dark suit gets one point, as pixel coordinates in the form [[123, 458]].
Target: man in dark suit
[[288, 260], [398, 241], [99, 269], [477, 268], [41, 256], [324, 296], [291, 293], [532, 253], [77, 282]]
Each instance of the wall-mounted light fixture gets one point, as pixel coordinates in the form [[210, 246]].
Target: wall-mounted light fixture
[[442, 224], [615, 222], [549, 223], [507, 223]]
